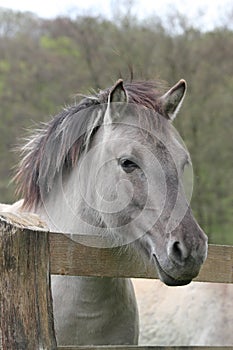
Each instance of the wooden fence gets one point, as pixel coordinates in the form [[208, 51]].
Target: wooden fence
[[29, 254]]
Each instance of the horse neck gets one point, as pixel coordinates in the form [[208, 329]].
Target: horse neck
[[64, 208], [98, 310], [111, 300]]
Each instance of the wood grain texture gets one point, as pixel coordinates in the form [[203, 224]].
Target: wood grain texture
[[218, 266], [133, 347], [72, 258], [26, 320]]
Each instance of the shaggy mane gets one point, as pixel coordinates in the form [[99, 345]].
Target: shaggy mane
[[56, 145]]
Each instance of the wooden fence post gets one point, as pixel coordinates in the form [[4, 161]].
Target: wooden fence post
[[26, 315]]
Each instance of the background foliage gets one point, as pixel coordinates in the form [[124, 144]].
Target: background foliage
[[44, 63]]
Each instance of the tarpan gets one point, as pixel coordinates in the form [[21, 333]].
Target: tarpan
[[112, 165]]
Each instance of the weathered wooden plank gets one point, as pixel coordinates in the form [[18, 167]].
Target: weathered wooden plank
[[133, 347], [26, 320], [72, 258], [218, 266]]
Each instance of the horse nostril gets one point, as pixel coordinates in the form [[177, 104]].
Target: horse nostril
[[177, 252]]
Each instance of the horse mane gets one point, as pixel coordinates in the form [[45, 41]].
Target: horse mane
[[59, 143]]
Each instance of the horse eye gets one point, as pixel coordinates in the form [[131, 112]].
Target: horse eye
[[128, 165]]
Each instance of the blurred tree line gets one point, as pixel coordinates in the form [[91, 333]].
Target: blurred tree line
[[44, 63]]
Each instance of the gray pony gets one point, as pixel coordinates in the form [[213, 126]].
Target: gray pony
[[112, 166]]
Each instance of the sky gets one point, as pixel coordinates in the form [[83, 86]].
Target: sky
[[212, 11]]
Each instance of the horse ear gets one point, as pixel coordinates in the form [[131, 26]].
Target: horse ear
[[116, 95], [172, 100]]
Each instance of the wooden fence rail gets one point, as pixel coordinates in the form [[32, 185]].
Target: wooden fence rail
[[128, 347], [28, 254], [65, 253]]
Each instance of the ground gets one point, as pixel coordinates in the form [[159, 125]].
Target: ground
[[198, 314]]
